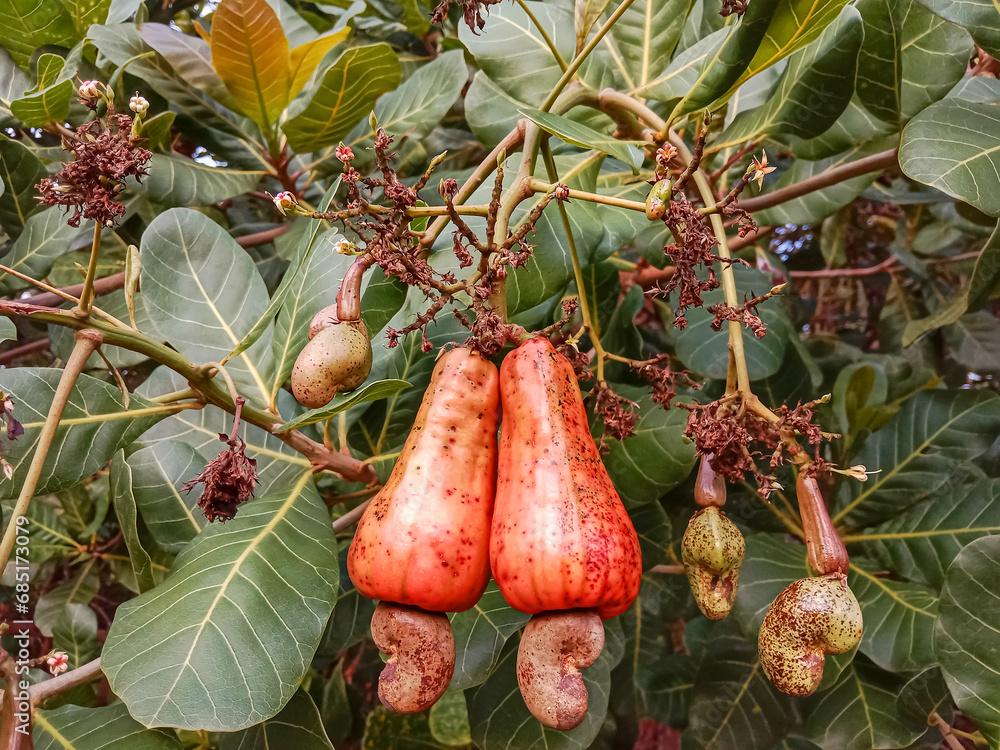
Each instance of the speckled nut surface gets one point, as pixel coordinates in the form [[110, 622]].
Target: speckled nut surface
[[809, 619], [712, 552], [421, 649], [555, 646], [338, 358]]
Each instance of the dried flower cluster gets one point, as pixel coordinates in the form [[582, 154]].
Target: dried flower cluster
[[229, 478], [739, 7], [663, 379], [472, 12], [105, 152], [617, 412], [14, 431]]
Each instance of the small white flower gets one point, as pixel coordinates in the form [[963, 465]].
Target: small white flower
[[90, 89], [58, 662], [285, 201], [345, 247], [138, 104], [758, 169]]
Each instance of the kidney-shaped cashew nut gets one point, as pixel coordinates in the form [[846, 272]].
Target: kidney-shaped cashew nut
[[421, 649], [555, 646], [712, 551]]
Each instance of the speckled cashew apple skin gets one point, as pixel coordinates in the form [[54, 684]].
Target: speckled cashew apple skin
[[809, 619], [337, 358], [712, 551], [561, 538], [424, 539]]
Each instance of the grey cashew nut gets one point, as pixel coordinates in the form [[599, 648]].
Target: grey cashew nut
[[555, 646], [811, 618], [421, 649]]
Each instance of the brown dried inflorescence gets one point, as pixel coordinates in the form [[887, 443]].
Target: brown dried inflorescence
[[104, 155], [14, 430], [617, 412], [737, 437], [229, 478], [472, 12], [739, 7], [663, 379]]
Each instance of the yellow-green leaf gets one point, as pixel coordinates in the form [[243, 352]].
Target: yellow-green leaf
[[250, 53], [307, 56]]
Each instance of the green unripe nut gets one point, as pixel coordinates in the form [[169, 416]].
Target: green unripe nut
[[811, 618], [712, 552], [337, 358]]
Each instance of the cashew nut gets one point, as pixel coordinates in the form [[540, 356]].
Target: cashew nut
[[809, 619], [712, 552], [555, 646], [338, 358], [421, 648]]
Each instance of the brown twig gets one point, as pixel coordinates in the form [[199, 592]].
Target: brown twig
[[262, 238], [102, 286], [672, 569], [20, 351], [42, 691]]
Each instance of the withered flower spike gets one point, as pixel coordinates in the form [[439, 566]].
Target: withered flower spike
[[616, 411], [229, 478]]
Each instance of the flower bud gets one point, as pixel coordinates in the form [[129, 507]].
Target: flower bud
[[138, 104], [90, 89], [284, 202]]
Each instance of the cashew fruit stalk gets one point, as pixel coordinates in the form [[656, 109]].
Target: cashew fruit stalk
[[825, 549]]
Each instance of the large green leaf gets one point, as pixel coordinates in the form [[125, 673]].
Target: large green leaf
[[250, 52], [49, 101], [372, 391], [46, 236], [813, 91], [918, 452], [934, 55], [954, 145], [26, 25], [683, 74], [974, 341], [93, 426], [480, 635], [85, 13], [128, 520], [500, 720], [382, 298], [223, 643], [75, 633], [880, 72], [190, 57], [298, 725], [921, 543], [385, 729], [20, 171], [707, 352], [177, 181], [899, 619], [980, 17], [646, 35], [583, 137], [656, 458], [344, 96], [350, 623], [967, 639], [419, 104], [203, 293], [158, 472], [107, 728], [733, 704], [859, 712]]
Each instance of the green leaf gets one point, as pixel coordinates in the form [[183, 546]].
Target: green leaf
[[515, 56], [310, 288], [350, 623], [953, 145], [480, 635], [382, 298], [80, 589], [203, 293], [158, 472], [345, 94], [13, 84], [656, 459], [727, 61], [924, 694], [918, 452], [707, 352], [733, 704], [25, 26], [49, 105], [934, 55], [980, 17], [76, 634], [795, 24], [20, 171], [899, 619], [250, 52], [107, 728], [449, 719], [298, 725], [175, 181], [967, 638], [880, 72], [683, 74], [375, 391], [646, 35], [419, 104], [191, 59], [93, 426], [157, 130], [500, 720], [128, 516], [974, 341], [239, 618], [921, 543], [385, 729], [859, 712], [46, 236], [8, 331], [813, 91], [583, 137], [306, 57], [85, 13]]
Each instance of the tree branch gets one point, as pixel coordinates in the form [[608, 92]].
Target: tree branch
[[42, 691]]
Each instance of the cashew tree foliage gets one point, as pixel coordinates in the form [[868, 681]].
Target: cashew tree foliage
[[762, 233]]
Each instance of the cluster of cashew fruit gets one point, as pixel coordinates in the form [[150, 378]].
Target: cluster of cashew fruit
[[538, 511], [338, 356], [811, 618]]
